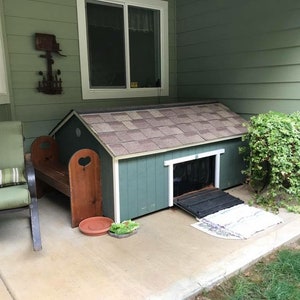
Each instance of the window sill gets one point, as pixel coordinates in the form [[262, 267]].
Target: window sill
[[123, 93]]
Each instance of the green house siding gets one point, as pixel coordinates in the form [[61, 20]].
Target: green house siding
[[143, 181], [40, 112], [243, 53]]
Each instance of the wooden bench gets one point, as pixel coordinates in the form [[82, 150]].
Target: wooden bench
[[80, 180]]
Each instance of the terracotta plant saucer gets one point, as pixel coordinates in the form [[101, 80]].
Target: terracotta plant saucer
[[95, 225]]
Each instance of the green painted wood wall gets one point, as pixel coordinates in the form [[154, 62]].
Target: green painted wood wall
[[40, 112], [244, 53], [144, 180]]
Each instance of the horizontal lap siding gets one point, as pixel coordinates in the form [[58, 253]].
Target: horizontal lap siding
[[40, 112], [244, 53], [23, 19]]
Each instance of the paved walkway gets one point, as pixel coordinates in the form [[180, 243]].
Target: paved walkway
[[166, 259]]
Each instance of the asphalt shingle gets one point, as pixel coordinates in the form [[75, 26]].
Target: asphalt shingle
[[160, 129]]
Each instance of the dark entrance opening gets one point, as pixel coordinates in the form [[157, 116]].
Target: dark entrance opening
[[194, 190], [193, 175]]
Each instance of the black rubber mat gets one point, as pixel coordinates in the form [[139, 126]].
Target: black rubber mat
[[206, 202]]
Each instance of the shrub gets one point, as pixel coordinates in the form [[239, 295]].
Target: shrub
[[273, 159]]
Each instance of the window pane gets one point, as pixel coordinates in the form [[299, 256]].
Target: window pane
[[106, 45], [144, 47]]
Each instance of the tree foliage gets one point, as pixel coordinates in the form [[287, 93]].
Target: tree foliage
[[272, 157]]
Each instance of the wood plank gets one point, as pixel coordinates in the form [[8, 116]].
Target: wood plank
[[248, 14], [151, 183], [276, 74], [189, 8], [56, 179], [258, 105], [236, 44], [25, 44], [27, 27], [247, 91], [32, 62], [29, 79], [141, 175], [85, 186], [41, 10], [31, 97], [191, 61]]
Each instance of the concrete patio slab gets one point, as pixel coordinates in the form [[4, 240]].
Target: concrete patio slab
[[166, 259]]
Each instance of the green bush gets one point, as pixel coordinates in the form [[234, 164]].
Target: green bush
[[273, 159]]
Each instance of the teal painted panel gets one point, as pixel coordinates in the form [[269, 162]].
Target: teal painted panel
[[231, 165], [144, 180], [128, 187], [143, 186]]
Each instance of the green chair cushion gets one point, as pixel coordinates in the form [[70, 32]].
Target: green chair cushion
[[14, 196], [11, 176]]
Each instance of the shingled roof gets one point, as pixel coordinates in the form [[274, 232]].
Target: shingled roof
[[151, 130]]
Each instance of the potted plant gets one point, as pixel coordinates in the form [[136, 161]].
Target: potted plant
[[124, 229]]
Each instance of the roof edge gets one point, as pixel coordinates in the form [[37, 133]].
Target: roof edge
[[134, 155], [142, 107]]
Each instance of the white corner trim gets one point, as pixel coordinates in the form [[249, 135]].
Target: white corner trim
[[116, 185], [170, 164]]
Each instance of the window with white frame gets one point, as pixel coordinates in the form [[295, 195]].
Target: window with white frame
[[4, 95], [123, 48]]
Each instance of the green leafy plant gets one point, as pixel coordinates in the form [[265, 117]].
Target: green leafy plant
[[125, 227], [272, 157]]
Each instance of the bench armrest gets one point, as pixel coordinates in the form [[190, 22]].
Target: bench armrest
[[30, 175]]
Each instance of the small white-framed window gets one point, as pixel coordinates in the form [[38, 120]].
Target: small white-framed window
[[123, 48], [4, 92]]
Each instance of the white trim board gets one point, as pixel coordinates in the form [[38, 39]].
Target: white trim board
[[170, 163]]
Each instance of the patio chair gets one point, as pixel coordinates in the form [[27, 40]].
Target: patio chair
[[17, 178]]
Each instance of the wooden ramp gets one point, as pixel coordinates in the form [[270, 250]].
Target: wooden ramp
[[206, 202]]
